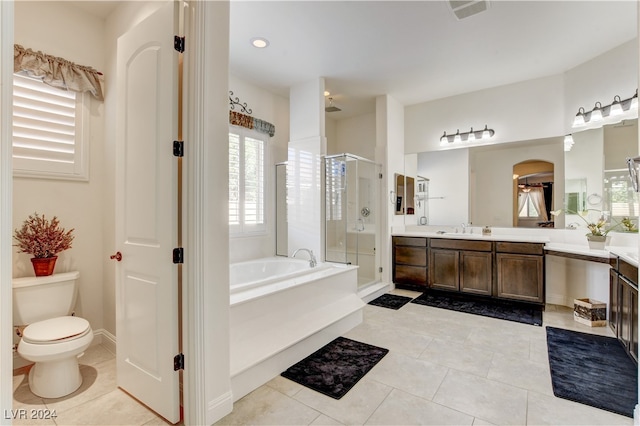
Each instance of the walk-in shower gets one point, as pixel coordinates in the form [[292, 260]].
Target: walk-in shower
[[352, 214]]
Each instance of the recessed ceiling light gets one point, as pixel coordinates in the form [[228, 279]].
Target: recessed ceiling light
[[259, 42]]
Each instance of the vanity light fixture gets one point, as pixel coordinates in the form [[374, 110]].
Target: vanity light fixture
[[615, 112], [568, 142], [470, 136]]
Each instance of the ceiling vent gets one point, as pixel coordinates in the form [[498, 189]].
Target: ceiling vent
[[465, 8]]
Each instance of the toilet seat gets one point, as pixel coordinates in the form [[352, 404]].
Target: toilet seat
[[56, 330]]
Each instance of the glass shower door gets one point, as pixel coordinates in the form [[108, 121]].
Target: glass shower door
[[351, 214]]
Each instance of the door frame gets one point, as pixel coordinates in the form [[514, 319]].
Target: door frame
[[205, 274], [6, 205]]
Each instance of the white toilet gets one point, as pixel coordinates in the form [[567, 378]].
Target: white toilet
[[52, 338]]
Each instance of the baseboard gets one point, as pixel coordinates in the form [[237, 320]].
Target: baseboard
[[219, 407], [105, 338], [373, 291]]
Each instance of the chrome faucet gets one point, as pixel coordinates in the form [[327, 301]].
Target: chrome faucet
[[312, 258], [464, 227]]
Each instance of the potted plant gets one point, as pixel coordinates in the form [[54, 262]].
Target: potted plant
[[598, 229], [43, 239]]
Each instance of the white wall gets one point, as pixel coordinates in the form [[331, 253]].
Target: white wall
[[274, 109], [530, 109], [304, 170], [355, 135], [55, 28]]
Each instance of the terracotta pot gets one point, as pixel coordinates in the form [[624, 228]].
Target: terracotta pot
[[43, 266]]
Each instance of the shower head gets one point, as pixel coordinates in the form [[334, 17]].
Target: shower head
[[331, 107]]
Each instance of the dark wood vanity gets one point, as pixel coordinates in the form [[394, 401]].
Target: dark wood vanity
[[500, 269], [623, 302]]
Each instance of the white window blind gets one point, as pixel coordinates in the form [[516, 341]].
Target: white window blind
[[49, 128], [247, 181]]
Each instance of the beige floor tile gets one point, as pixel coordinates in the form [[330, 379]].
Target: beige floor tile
[[323, 420], [486, 399], [458, 356], [496, 340], [522, 373], [407, 293], [95, 355], [266, 406], [284, 386], [550, 410], [114, 408], [480, 422], [417, 377], [401, 408], [395, 339], [352, 409]]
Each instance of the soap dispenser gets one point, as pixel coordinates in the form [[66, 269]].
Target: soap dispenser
[[486, 230]]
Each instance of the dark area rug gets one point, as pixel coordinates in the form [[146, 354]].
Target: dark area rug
[[592, 370], [391, 301], [337, 367], [511, 311]]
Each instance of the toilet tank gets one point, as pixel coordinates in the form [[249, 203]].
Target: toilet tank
[[39, 298]]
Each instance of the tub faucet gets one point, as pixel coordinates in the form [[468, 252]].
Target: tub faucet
[[312, 258]]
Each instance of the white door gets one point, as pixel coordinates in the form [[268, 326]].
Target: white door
[[146, 213]]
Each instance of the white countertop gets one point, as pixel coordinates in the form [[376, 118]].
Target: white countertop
[[475, 236]]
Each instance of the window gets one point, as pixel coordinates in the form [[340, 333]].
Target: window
[[247, 159], [50, 128], [528, 209]]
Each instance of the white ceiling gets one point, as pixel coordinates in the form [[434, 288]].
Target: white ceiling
[[415, 51], [418, 51]]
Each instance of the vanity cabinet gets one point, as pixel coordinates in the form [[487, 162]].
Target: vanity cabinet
[[623, 309], [461, 265], [410, 262], [520, 271]]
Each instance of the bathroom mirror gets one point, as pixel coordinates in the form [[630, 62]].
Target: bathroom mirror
[[404, 195], [476, 184]]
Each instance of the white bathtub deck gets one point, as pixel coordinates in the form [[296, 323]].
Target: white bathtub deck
[[274, 330]]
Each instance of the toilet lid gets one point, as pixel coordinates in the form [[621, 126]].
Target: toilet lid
[[55, 329]]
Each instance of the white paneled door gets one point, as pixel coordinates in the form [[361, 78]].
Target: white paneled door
[[146, 212]]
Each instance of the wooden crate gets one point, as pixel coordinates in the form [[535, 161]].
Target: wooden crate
[[590, 312]]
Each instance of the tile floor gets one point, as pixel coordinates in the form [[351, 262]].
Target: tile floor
[[97, 402], [443, 367]]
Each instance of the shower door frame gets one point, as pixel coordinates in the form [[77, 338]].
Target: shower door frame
[[377, 212]]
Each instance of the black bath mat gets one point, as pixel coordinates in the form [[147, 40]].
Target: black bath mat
[[335, 368], [511, 311], [592, 370], [391, 301]]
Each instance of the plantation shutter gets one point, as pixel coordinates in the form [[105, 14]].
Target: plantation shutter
[[247, 186], [48, 126]]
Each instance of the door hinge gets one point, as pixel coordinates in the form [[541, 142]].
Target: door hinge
[[178, 255], [178, 43], [178, 362], [380, 269], [379, 175], [178, 148]]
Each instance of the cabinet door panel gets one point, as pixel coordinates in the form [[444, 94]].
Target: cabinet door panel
[[614, 302], [475, 272], [520, 277], [444, 269], [633, 344], [624, 332], [416, 256], [412, 275]]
